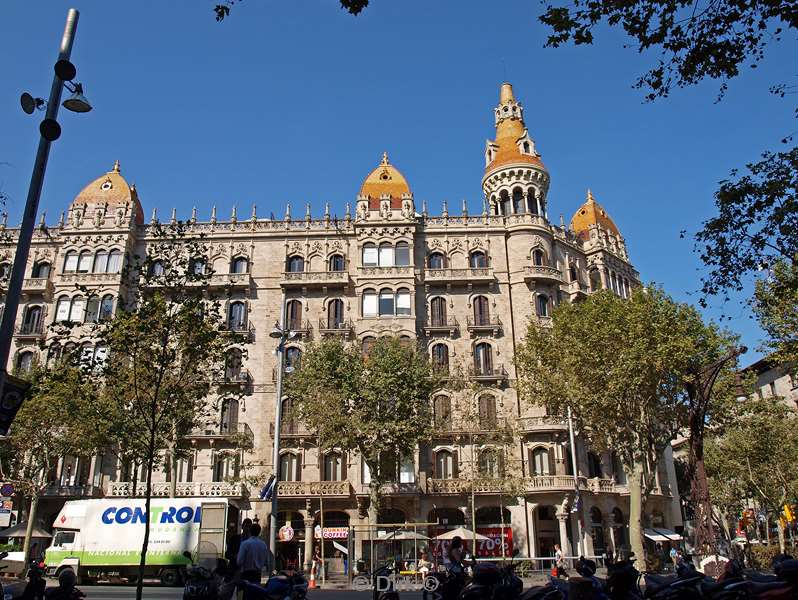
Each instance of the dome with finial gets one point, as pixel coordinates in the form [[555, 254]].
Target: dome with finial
[[384, 180], [513, 145], [592, 213], [111, 189]]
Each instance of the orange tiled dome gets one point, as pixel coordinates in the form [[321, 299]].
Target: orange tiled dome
[[510, 130], [592, 213], [112, 189], [385, 179]]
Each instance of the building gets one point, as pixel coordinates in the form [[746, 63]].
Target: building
[[774, 380], [464, 285]]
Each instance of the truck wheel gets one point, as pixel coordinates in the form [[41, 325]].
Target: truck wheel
[[170, 577]]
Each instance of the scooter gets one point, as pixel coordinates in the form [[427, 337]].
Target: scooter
[[382, 591], [201, 583], [492, 582], [286, 585]]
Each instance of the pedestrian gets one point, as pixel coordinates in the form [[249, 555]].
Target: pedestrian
[[424, 565], [559, 562], [674, 556], [233, 545], [252, 557], [246, 527]]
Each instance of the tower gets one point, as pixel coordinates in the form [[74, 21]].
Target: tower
[[515, 180]]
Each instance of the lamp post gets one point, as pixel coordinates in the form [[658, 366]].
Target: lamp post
[[278, 332], [50, 131]]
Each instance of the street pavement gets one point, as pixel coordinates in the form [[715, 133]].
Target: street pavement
[[128, 592]]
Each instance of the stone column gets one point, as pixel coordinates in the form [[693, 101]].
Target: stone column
[[308, 537], [565, 543], [533, 530]]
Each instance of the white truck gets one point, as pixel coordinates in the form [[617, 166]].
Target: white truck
[[103, 538]]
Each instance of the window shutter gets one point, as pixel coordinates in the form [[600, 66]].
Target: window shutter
[[551, 462], [344, 460], [298, 467], [455, 464]]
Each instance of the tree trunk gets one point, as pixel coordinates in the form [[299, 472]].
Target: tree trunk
[[635, 481], [699, 494], [782, 540], [374, 502], [147, 498], [34, 502]]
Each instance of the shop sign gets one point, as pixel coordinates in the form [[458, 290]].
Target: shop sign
[[331, 533], [286, 533]]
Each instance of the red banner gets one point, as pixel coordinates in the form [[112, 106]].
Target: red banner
[[489, 548]]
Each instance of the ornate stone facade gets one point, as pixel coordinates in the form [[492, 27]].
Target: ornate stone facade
[[466, 286]]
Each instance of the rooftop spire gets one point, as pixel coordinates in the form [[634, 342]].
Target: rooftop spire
[[116, 166], [384, 159], [590, 197], [506, 93]]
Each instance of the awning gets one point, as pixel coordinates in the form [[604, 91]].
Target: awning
[[18, 531], [662, 535]]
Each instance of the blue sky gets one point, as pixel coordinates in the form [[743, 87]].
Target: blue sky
[[296, 101]]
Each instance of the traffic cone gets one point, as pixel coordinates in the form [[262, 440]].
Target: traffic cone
[[312, 583]]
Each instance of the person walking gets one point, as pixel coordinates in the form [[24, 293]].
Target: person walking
[[559, 562], [252, 557]]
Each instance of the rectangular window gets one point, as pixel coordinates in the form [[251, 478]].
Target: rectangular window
[[85, 263], [402, 255], [386, 256], [115, 263], [386, 303], [403, 304], [370, 305], [366, 476], [76, 313], [407, 470], [62, 312], [370, 256]]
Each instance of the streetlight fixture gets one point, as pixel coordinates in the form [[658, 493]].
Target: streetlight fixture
[[11, 389]]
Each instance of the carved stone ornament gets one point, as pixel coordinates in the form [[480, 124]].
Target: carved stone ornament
[[477, 243], [316, 247], [295, 248], [436, 243], [336, 245], [456, 244]]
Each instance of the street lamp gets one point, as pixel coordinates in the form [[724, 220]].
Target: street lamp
[[12, 390], [283, 335]]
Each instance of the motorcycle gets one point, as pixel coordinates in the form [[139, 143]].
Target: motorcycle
[[285, 585], [383, 591], [492, 582], [201, 583]]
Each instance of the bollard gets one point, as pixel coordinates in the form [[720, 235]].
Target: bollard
[[580, 588]]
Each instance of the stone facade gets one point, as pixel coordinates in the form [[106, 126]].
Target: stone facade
[[465, 286]]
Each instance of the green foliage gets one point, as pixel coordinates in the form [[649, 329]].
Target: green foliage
[[762, 556], [377, 405], [353, 7], [776, 307], [714, 40]]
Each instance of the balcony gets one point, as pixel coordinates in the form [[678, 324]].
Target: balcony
[[385, 272], [231, 280], [310, 279], [233, 378], [553, 483], [577, 291], [393, 489], [243, 328], [482, 324], [30, 331], [300, 328], [234, 431], [495, 374], [306, 489], [442, 325], [537, 424], [183, 489], [466, 275], [55, 490], [463, 486], [89, 278], [542, 274], [37, 286], [290, 428], [334, 327]]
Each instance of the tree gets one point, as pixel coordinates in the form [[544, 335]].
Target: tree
[[757, 456], [776, 307], [167, 346], [620, 366], [353, 7], [376, 404], [54, 421]]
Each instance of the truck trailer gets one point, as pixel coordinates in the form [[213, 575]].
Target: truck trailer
[[102, 538]]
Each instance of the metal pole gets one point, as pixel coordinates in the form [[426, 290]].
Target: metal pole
[[576, 481], [32, 204], [278, 413]]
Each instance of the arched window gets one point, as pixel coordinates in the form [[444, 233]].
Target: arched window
[[573, 275], [24, 362], [531, 201], [438, 312], [100, 261], [481, 311], [506, 204], [518, 201], [5, 270], [62, 309], [370, 255], [237, 316], [293, 315], [239, 265], [437, 260], [593, 465], [335, 313], [538, 257], [289, 422], [487, 411], [106, 307], [403, 302], [32, 321], [115, 262], [618, 472], [370, 303], [295, 264], [442, 410], [76, 309], [197, 266], [366, 344], [333, 467], [444, 465], [483, 359], [293, 356], [226, 467], [232, 367], [92, 309], [440, 358], [41, 270], [157, 268], [490, 463], [85, 262], [539, 463], [478, 260], [229, 416], [542, 305], [386, 255], [386, 302], [595, 280], [402, 254], [289, 467], [335, 263], [70, 262]]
